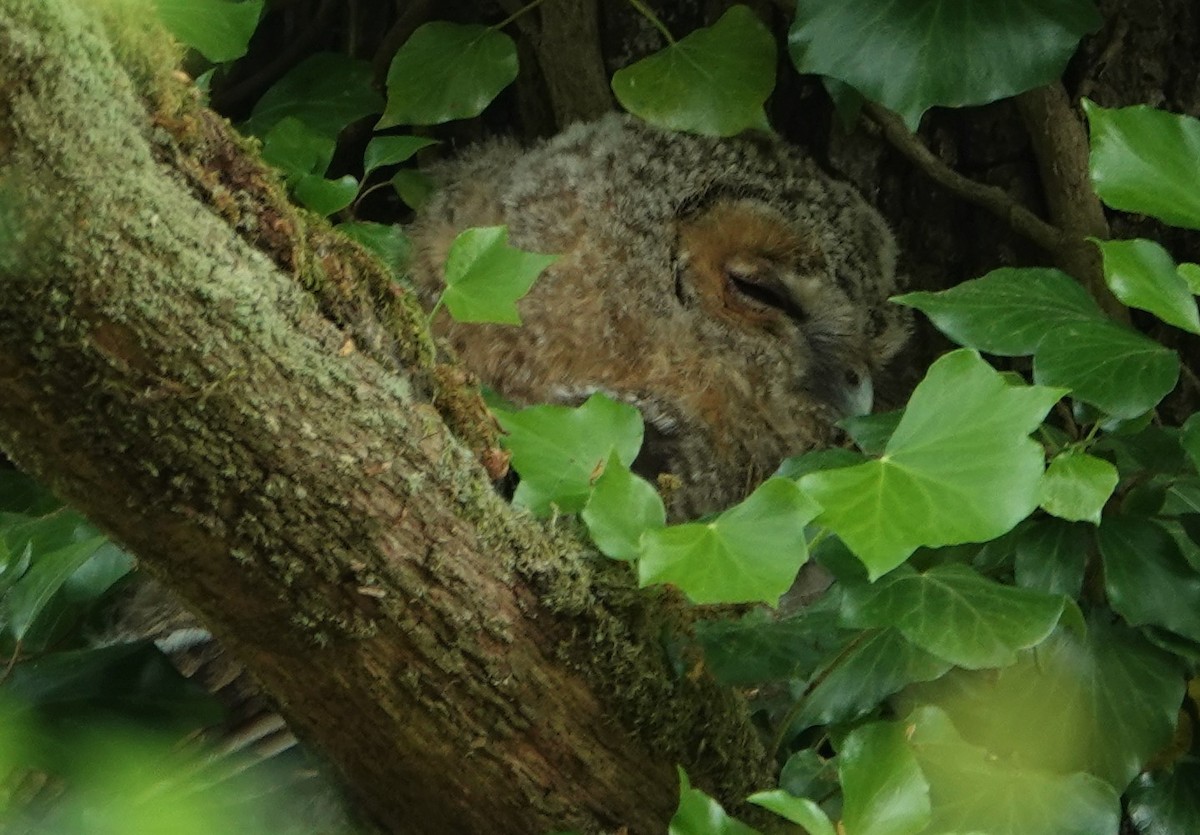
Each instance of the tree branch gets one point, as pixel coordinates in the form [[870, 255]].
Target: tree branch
[[462, 666]]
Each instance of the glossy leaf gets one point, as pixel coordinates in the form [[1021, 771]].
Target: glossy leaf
[[413, 187], [1145, 160], [296, 149], [392, 150], [325, 196], [1051, 556], [817, 460], [867, 669], [960, 467], [1147, 579], [751, 552], [884, 791], [1043, 312], [30, 595], [386, 240], [955, 614], [325, 92], [798, 810], [871, 432], [927, 53], [1167, 803], [485, 276], [1143, 275], [699, 814], [219, 30], [1189, 439], [712, 82], [762, 647], [447, 71], [1190, 273], [558, 451], [975, 791], [621, 508], [1103, 702], [1077, 486]]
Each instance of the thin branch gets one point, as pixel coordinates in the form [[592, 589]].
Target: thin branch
[[517, 14], [648, 13], [994, 199]]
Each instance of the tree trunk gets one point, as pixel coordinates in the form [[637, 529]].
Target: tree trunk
[[257, 424]]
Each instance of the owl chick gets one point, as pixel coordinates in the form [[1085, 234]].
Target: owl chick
[[729, 289]]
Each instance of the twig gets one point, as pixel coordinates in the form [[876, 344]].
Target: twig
[[646, 12], [818, 680]]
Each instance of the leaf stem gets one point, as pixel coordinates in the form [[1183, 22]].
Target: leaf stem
[[817, 681], [436, 307], [646, 12], [528, 7]]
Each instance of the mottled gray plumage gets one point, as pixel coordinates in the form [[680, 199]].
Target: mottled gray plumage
[[729, 288]]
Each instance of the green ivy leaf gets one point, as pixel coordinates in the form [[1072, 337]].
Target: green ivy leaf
[[751, 552], [871, 432], [885, 792], [1165, 803], [325, 196], [818, 460], [807, 774], [1104, 703], [761, 647], [413, 187], [865, 670], [30, 595], [1077, 486], [296, 149], [798, 810], [955, 614], [699, 814], [1147, 579], [960, 467], [974, 791], [1190, 273], [1051, 556], [392, 150], [386, 240], [1143, 275], [218, 29], [485, 276], [939, 52], [1013, 312], [1145, 160], [713, 82], [1189, 439], [447, 71], [558, 451], [621, 508], [324, 92]]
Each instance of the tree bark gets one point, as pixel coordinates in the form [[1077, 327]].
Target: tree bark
[[258, 425]]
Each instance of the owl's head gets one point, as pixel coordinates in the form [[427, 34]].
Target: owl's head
[[728, 288]]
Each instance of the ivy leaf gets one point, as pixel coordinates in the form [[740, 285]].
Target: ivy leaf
[[325, 196], [413, 187], [798, 810], [1077, 485], [1189, 439], [447, 71], [1143, 275], [884, 791], [30, 595], [974, 791], [1190, 273], [621, 508], [324, 92], [1144, 160], [871, 432], [939, 52], [558, 451], [1146, 577], [1051, 556], [866, 669], [761, 647], [713, 82], [751, 552], [218, 29], [386, 240], [817, 460], [960, 467], [699, 814], [955, 614], [1013, 312], [1104, 703], [392, 150], [1163, 803], [296, 149], [485, 276]]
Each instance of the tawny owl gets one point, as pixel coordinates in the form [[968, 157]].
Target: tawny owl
[[727, 288]]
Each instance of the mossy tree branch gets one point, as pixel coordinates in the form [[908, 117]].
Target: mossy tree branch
[[257, 423]]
